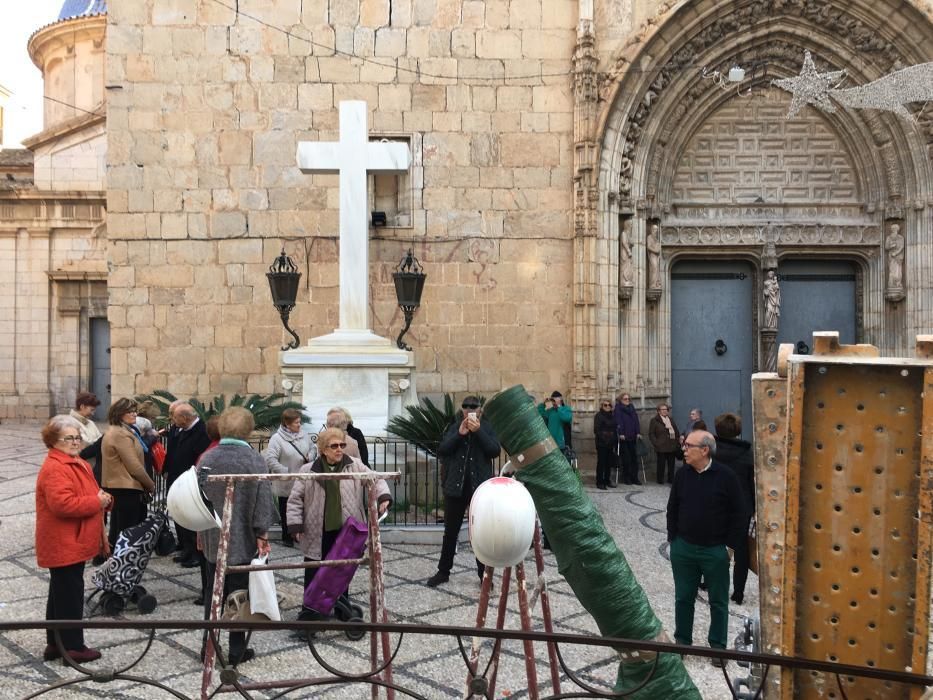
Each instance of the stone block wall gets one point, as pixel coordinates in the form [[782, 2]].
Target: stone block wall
[[203, 189]]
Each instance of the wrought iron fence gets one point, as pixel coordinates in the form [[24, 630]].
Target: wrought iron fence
[[478, 680]]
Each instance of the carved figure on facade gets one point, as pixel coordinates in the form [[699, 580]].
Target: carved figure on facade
[[626, 268], [653, 252], [772, 296], [894, 248]]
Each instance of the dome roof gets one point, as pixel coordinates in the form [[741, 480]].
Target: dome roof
[[82, 8]]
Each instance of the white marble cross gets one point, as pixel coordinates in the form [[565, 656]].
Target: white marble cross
[[353, 157]]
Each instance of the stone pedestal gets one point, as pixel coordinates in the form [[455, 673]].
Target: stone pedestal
[[356, 370]]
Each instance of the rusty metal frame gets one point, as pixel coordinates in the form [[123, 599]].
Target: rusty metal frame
[[779, 401], [380, 674]]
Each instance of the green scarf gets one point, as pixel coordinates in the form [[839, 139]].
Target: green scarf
[[333, 513]]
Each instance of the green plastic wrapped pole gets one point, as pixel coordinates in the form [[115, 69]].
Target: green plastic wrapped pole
[[587, 556]]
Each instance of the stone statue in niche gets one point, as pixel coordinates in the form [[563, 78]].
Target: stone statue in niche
[[894, 249], [653, 248], [772, 296], [626, 269]]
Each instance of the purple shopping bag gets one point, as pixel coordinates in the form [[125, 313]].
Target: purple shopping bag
[[331, 581]]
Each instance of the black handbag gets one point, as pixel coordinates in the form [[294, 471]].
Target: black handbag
[[165, 545]]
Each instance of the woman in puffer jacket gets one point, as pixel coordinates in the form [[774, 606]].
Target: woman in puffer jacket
[[288, 450], [317, 509]]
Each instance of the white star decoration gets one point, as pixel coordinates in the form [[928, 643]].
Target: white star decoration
[[810, 87], [889, 93]]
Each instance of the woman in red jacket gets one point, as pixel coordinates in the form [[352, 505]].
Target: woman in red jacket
[[69, 531]]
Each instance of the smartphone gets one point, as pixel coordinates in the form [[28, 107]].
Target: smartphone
[[471, 415]]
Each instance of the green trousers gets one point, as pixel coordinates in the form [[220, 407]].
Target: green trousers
[[689, 562]]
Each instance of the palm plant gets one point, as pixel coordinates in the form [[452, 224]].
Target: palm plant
[[266, 408], [425, 424]]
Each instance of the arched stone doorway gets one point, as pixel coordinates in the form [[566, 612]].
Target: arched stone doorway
[[822, 186]]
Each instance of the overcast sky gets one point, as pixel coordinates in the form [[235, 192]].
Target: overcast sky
[[18, 20]]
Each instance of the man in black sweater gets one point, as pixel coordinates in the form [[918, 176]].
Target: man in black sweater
[[706, 520], [187, 440], [737, 455]]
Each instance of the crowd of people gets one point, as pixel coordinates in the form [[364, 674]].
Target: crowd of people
[[89, 476]]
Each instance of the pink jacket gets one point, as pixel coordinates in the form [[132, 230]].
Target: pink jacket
[[305, 510]]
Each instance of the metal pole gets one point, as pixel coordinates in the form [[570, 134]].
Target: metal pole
[[480, 623], [500, 624], [546, 610], [217, 597], [530, 669]]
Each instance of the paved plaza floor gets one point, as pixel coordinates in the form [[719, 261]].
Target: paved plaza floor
[[431, 665]]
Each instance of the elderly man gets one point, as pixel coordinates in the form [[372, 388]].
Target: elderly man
[[706, 520], [187, 440]]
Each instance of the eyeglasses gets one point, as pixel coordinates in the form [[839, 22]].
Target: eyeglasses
[[70, 438], [625, 399], [606, 404], [690, 444], [336, 445], [470, 406]]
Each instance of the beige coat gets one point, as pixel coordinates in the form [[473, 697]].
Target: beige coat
[[122, 465], [305, 511]]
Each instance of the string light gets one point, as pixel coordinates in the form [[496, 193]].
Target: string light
[[889, 93]]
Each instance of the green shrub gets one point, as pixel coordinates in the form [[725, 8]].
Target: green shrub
[[266, 408]]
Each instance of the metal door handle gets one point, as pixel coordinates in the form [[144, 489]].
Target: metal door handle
[[720, 347]]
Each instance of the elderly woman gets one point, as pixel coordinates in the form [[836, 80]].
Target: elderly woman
[[69, 531], [252, 511], [123, 471], [288, 450], [662, 431], [337, 418], [317, 509], [604, 430]]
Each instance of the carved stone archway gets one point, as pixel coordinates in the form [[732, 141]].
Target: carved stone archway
[[643, 122]]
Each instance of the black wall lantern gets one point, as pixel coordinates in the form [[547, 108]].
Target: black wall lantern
[[409, 284], [283, 279]]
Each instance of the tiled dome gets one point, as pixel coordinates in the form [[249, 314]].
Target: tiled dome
[[82, 8]]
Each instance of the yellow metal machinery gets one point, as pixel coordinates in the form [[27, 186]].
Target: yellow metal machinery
[[844, 469]]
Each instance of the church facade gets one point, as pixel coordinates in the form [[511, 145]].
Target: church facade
[[53, 241], [600, 201]]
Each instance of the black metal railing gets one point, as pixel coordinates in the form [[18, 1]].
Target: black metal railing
[[481, 680], [417, 497]]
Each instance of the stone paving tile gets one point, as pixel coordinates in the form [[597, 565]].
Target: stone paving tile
[[429, 665]]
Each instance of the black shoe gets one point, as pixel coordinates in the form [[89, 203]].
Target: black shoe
[[611, 485], [190, 563], [179, 558], [636, 483], [289, 542], [737, 599], [437, 579], [247, 655], [601, 487], [98, 560]]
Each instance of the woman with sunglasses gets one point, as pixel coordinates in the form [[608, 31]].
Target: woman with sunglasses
[[604, 428], [69, 531], [317, 510]]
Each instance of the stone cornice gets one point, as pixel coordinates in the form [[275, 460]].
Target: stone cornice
[[66, 128], [66, 32], [788, 235]]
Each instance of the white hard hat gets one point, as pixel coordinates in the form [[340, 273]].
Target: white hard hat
[[502, 522], [188, 506]]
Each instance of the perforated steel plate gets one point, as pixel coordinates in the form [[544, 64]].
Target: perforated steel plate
[[857, 458]]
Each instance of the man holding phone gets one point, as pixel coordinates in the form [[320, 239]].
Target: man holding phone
[[466, 452]]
